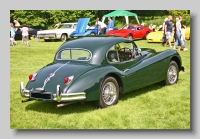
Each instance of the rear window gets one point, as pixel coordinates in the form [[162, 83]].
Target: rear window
[[74, 54]]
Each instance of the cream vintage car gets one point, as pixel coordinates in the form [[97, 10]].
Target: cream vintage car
[[62, 33]]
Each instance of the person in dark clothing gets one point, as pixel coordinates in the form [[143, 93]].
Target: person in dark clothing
[[168, 30], [163, 28]]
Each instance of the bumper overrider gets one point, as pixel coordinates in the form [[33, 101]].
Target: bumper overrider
[[40, 94]]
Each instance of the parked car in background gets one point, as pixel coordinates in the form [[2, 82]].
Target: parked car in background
[[95, 30], [81, 28], [131, 31], [99, 69], [157, 36], [62, 33], [32, 33]]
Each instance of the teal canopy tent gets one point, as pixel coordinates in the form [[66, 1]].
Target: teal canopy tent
[[124, 13]]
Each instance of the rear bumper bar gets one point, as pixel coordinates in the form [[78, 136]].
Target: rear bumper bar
[[58, 96]]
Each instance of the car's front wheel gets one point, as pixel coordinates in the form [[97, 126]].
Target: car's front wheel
[[172, 73], [63, 37], [109, 93]]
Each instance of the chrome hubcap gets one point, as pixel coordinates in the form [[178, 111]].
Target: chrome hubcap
[[172, 74], [109, 93]]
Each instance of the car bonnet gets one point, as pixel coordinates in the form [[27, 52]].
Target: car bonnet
[[82, 24]]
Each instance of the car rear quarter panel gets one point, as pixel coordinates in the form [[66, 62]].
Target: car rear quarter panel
[[90, 82]]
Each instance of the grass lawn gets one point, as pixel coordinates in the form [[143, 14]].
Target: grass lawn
[[153, 107]]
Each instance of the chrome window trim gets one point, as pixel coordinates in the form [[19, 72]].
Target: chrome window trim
[[59, 52]]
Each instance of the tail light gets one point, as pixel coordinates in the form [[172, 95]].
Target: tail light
[[32, 77], [67, 80]]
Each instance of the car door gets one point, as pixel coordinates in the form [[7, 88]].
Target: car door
[[159, 64], [140, 31], [136, 70]]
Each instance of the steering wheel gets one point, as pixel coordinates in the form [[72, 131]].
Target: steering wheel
[[127, 55]]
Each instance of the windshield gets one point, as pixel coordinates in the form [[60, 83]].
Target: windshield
[[128, 27], [66, 26], [74, 54]]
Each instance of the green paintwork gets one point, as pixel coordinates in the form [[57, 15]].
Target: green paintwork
[[149, 68]]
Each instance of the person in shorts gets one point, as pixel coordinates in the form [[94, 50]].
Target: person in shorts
[[25, 34], [168, 30]]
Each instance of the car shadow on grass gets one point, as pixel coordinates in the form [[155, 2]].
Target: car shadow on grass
[[50, 107], [141, 91]]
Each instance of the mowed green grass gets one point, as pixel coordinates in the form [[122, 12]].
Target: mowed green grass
[[152, 107]]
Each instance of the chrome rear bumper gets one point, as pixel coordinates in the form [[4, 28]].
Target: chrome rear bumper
[[58, 96]]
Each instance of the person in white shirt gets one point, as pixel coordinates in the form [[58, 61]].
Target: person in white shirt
[[25, 34], [102, 26]]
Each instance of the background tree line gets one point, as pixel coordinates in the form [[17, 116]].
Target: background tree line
[[46, 19]]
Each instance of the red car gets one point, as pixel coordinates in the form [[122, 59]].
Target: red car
[[131, 31]]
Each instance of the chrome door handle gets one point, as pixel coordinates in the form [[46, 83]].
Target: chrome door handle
[[126, 70]]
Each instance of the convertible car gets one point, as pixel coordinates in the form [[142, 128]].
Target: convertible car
[[158, 35], [99, 69], [131, 31]]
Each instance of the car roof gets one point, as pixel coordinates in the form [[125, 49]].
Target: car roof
[[93, 43], [98, 46]]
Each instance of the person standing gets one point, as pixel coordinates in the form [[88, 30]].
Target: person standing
[[17, 24], [168, 30], [12, 34], [110, 25], [101, 25], [163, 28], [25, 34], [177, 34]]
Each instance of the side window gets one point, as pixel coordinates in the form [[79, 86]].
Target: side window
[[139, 28], [74, 54], [112, 55], [120, 52]]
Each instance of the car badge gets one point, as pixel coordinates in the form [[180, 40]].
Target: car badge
[[52, 74]]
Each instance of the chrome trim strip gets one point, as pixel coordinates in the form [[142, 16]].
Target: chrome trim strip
[[74, 49], [70, 96], [56, 97]]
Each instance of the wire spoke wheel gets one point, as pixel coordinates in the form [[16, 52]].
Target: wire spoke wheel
[[172, 73], [109, 93]]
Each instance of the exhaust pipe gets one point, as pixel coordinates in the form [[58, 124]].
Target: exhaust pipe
[[64, 104], [26, 100]]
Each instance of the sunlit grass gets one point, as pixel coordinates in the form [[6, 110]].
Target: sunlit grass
[[153, 107]]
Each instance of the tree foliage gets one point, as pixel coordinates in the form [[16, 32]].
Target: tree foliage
[[46, 19], [184, 13]]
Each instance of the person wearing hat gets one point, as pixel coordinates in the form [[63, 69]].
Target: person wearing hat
[[25, 34]]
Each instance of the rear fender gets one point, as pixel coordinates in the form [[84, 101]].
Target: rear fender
[[90, 82]]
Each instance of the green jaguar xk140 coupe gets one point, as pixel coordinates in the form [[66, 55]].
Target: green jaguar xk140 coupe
[[99, 69]]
